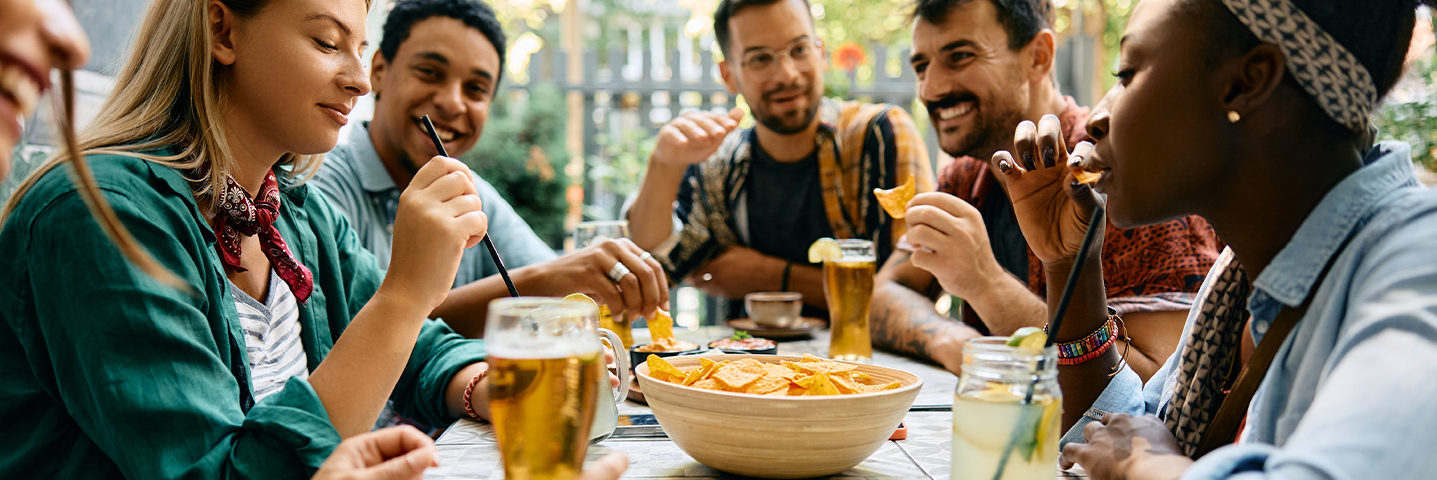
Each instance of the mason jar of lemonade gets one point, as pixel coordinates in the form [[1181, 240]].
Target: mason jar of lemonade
[[990, 415]]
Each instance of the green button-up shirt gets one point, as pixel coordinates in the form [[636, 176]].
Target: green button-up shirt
[[105, 373]]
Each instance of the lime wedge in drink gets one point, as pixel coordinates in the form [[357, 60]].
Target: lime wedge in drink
[[1028, 338], [824, 249]]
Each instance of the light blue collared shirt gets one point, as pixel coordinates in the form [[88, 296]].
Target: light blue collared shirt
[[355, 181], [1352, 393]]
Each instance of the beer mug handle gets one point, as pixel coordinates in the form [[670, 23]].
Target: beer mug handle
[[621, 358]]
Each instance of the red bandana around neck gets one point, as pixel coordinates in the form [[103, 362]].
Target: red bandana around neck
[[239, 215]]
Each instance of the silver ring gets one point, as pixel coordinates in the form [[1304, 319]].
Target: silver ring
[[618, 271], [645, 256]]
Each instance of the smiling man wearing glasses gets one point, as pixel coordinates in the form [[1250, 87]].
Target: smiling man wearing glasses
[[733, 211]]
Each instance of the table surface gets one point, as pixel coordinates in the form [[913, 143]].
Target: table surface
[[468, 449]]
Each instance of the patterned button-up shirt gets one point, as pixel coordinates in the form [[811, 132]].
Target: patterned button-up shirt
[[861, 146]]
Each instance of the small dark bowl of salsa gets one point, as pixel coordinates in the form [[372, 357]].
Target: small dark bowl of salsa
[[743, 344]]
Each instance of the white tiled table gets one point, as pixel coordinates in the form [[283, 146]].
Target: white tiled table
[[468, 449]]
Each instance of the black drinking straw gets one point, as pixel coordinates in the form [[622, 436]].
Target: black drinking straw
[[1094, 224], [493, 252]]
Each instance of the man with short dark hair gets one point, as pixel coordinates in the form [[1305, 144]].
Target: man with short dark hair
[[985, 68], [444, 59], [734, 211]]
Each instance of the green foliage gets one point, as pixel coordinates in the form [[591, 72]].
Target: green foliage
[[533, 184], [1410, 112], [618, 168]]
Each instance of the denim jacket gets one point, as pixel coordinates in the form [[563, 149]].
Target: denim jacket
[[1351, 393]]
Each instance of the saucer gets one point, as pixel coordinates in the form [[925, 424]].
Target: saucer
[[804, 329]]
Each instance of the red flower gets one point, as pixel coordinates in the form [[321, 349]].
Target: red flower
[[849, 56]]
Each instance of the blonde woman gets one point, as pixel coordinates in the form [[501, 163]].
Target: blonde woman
[[239, 370]]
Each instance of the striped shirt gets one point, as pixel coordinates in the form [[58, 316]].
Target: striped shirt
[[271, 337]]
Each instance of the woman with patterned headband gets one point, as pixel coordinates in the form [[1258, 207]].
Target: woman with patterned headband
[[1311, 350]]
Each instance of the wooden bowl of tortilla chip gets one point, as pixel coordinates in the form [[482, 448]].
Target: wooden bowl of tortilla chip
[[778, 436]]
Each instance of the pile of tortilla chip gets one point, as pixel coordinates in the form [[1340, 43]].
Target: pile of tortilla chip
[[806, 377], [661, 335]]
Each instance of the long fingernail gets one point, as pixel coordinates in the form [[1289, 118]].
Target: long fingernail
[[1049, 156], [1028, 159], [1005, 167]]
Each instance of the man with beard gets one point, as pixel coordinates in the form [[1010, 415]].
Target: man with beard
[[984, 68], [734, 211]]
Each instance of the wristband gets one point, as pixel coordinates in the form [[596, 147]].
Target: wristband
[[469, 392], [787, 267]]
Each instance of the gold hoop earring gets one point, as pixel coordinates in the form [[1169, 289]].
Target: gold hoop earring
[[1233, 117]]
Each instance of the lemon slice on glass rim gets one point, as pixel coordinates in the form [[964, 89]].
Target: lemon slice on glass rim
[[824, 249]]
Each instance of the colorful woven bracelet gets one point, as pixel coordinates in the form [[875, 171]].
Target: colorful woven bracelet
[[469, 392], [1090, 343], [1089, 355]]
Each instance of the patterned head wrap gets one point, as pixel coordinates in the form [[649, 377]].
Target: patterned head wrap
[[1325, 69]]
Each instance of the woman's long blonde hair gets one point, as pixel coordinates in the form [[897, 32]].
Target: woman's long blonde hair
[[167, 95]]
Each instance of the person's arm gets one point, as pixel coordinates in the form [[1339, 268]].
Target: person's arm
[[739, 270], [951, 247], [903, 319], [439, 215], [685, 141], [1155, 336], [583, 271], [137, 365], [1054, 212]]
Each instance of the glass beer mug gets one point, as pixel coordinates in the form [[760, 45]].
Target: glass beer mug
[[547, 377]]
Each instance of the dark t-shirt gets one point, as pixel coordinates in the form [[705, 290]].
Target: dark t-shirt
[[785, 205], [785, 210], [1004, 235]]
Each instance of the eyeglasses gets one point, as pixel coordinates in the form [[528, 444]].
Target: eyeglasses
[[761, 63]]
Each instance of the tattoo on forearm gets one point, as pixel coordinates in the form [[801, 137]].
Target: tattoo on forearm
[[904, 321]]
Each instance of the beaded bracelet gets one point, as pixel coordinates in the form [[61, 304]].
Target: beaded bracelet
[[1091, 354], [469, 392], [1089, 344]]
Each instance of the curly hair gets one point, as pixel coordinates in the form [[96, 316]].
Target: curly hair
[[474, 13]]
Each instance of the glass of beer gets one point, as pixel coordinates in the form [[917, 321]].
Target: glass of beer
[[991, 413], [848, 287], [545, 369]]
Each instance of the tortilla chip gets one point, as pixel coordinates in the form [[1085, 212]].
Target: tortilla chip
[[809, 376], [1086, 177], [895, 200], [824, 367], [736, 377], [661, 369], [822, 385], [846, 386], [661, 326], [768, 384]]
